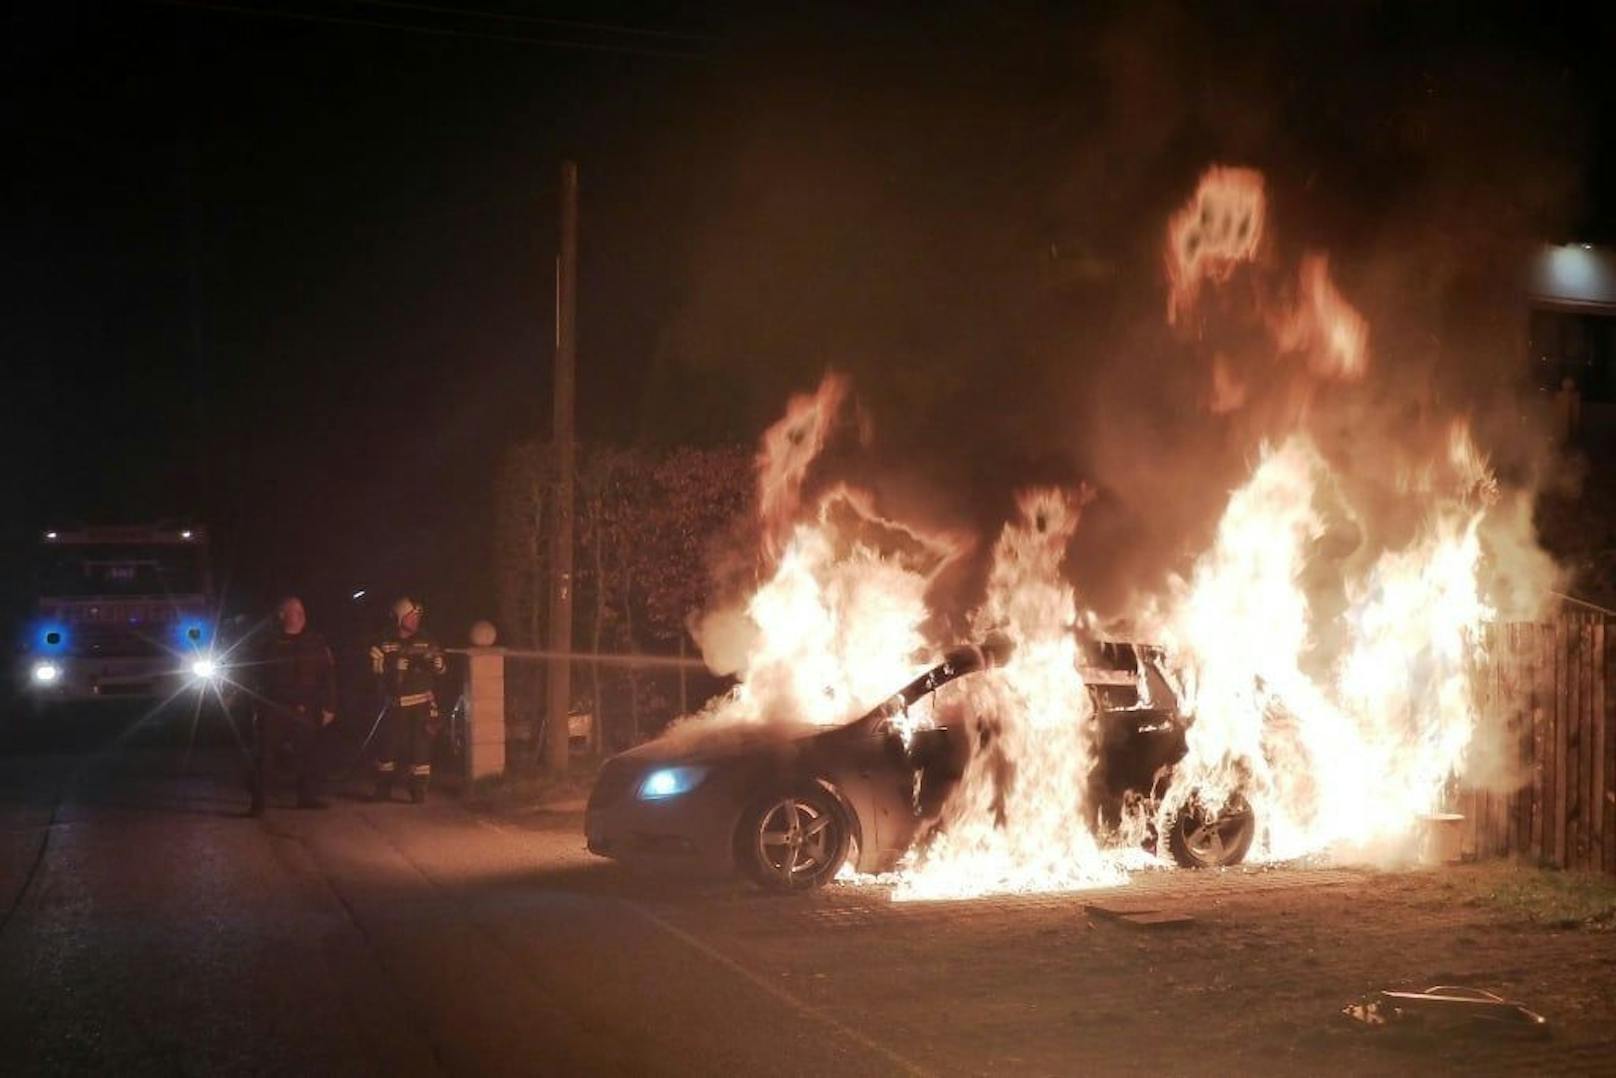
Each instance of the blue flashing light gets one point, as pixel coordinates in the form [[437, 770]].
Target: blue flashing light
[[51, 638], [671, 782], [193, 633]]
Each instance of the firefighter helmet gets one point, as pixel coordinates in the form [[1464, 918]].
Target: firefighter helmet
[[406, 606]]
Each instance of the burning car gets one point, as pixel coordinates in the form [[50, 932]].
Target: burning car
[[789, 804], [1139, 735]]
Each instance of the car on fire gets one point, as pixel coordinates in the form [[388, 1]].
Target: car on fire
[[788, 805]]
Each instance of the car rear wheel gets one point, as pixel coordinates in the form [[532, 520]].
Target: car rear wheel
[[1199, 839], [794, 842]]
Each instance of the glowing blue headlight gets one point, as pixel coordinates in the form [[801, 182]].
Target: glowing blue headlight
[[671, 782]]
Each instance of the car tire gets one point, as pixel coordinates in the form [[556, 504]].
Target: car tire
[[1197, 841], [793, 841]]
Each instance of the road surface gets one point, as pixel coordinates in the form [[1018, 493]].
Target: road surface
[[148, 926]]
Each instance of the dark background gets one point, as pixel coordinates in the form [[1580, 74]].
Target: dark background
[[290, 276]]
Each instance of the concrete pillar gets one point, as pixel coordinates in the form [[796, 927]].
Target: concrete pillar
[[485, 712]]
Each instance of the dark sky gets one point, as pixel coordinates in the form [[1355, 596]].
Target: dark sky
[[292, 276]]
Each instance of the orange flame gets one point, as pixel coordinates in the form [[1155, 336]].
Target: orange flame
[[1218, 229], [789, 448], [838, 621], [1324, 326], [1016, 821]]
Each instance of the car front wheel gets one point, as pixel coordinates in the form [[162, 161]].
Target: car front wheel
[[795, 841], [1199, 839]]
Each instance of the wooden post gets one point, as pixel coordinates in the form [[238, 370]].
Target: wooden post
[[558, 679]]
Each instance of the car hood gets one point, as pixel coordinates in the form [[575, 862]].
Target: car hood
[[723, 742]]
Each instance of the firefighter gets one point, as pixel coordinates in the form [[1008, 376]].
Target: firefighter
[[295, 699], [406, 664]]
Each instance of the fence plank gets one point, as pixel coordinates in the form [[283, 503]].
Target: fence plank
[[1573, 757], [1596, 803], [1510, 663], [1586, 755], [1573, 760], [1570, 762], [1511, 718], [1541, 669], [1585, 744], [1608, 789], [1480, 804], [1502, 706], [1557, 754], [1526, 669], [1470, 828]]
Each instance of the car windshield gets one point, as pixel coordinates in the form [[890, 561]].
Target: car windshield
[[86, 570]]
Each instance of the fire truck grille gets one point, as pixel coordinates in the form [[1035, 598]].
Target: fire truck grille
[[96, 641]]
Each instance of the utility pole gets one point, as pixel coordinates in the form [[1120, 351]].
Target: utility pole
[[558, 682]]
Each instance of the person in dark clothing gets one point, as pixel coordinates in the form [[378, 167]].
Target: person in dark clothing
[[406, 664], [295, 697]]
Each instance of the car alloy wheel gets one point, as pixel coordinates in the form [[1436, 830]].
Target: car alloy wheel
[[1198, 839], [797, 841]]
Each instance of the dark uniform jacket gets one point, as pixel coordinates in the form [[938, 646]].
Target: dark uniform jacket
[[407, 668], [295, 674]]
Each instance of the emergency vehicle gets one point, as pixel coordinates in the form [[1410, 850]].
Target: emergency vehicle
[[123, 612]]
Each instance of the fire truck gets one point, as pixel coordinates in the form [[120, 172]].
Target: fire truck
[[123, 612]]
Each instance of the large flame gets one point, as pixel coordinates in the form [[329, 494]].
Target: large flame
[[1016, 822], [1326, 658], [1329, 672], [837, 619], [1342, 746]]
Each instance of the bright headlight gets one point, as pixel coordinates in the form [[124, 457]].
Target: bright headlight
[[46, 673], [671, 782], [204, 669]]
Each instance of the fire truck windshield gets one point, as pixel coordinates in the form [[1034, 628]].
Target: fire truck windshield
[[88, 570]]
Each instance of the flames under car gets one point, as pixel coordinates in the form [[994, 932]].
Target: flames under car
[[787, 805]]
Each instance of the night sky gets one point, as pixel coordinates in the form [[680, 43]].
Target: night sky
[[292, 277]]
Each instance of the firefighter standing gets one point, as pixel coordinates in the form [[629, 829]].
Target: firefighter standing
[[406, 665], [296, 699]]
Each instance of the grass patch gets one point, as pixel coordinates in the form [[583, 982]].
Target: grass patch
[[526, 792], [1559, 899]]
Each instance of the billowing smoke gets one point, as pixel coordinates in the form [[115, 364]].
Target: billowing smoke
[[982, 256]]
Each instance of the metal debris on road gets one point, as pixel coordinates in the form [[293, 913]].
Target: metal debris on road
[[1448, 1006]]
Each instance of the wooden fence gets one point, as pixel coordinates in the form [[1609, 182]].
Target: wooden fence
[[1551, 689]]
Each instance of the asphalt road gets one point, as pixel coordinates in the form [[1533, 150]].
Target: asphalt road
[[148, 926]]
